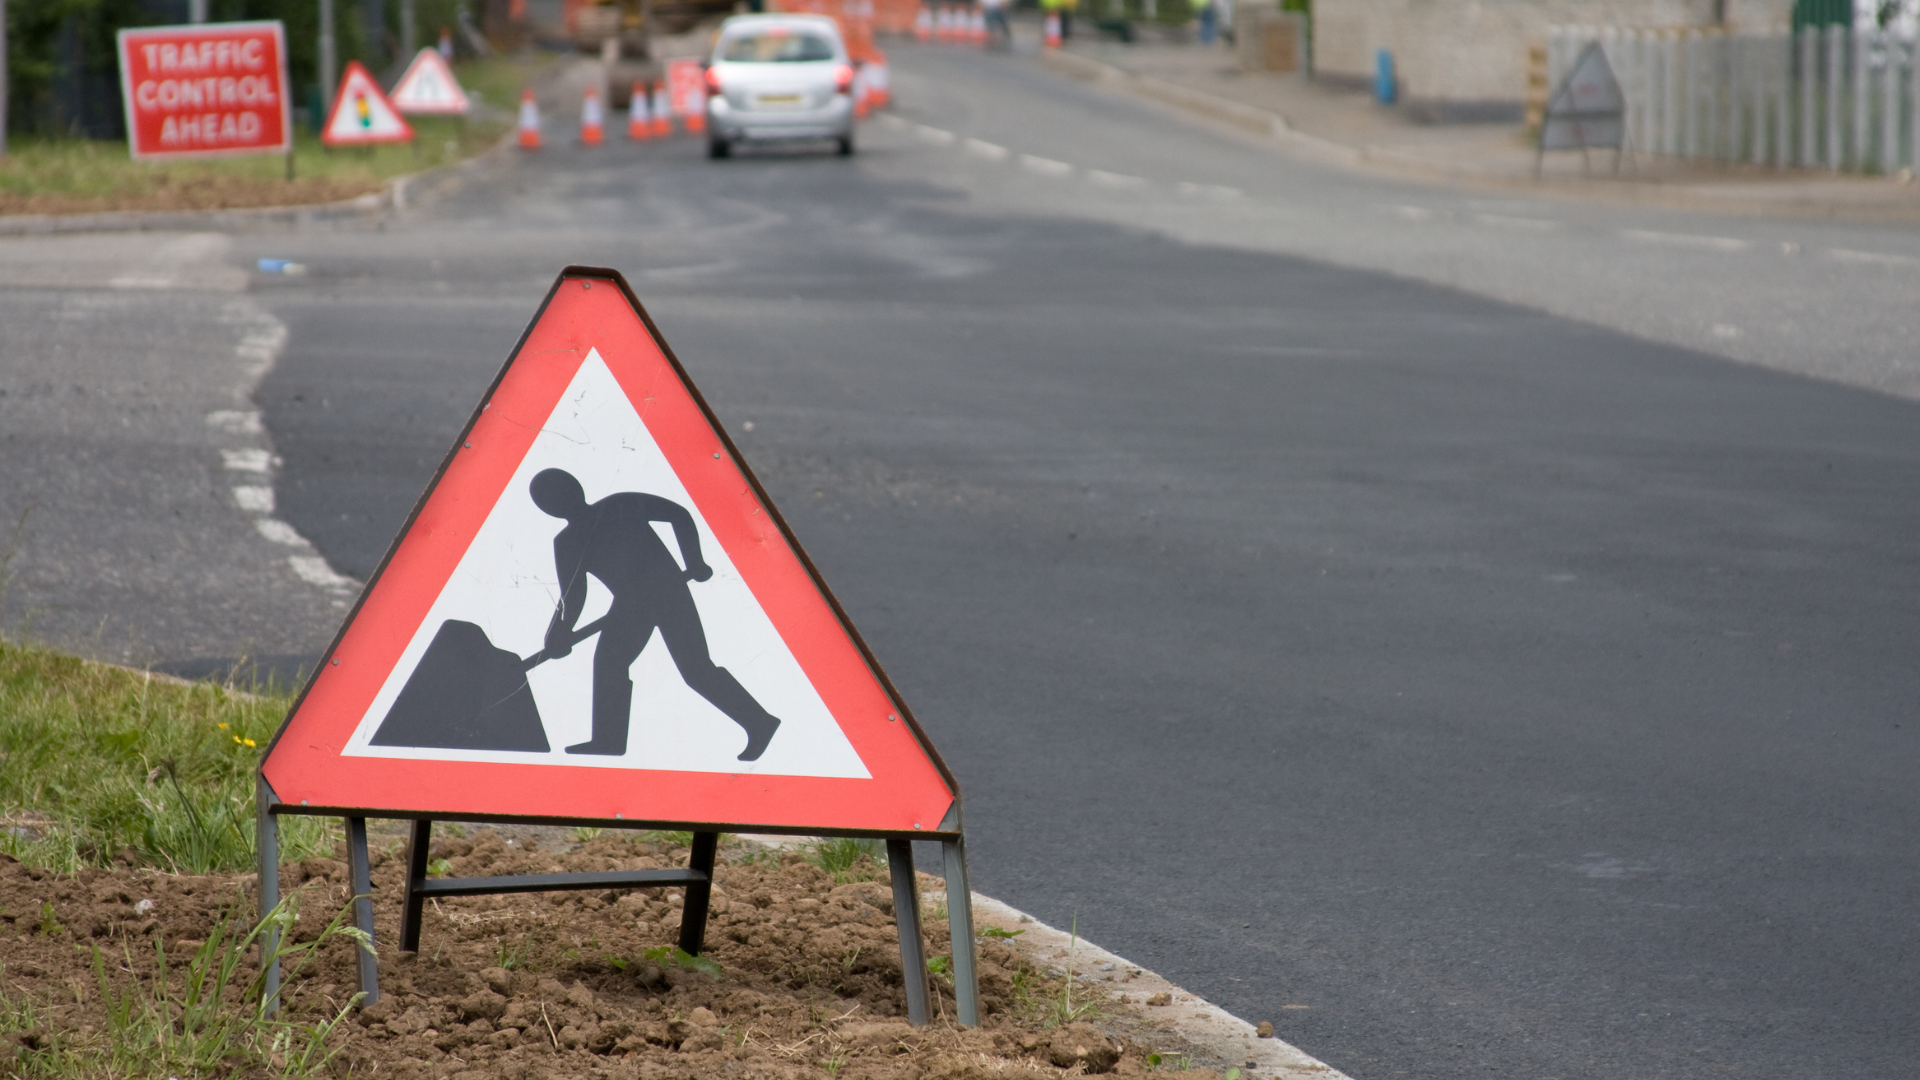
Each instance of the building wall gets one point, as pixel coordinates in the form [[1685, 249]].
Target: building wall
[[1459, 54]]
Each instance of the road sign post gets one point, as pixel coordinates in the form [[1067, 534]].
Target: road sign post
[[470, 684], [1586, 111]]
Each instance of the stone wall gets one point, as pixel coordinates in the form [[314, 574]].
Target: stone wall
[[1467, 59]]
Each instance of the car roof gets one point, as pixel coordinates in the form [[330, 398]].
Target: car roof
[[820, 24]]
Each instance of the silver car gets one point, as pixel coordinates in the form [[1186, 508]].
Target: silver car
[[778, 77]]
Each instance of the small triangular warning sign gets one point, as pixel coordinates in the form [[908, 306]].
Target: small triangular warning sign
[[428, 88], [362, 115], [1588, 109], [596, 614]]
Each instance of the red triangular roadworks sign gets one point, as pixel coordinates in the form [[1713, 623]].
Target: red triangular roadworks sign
[[361, 114], [440, 697], [428, 88]]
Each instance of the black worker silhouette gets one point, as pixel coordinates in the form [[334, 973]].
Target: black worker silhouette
[[613, 540]]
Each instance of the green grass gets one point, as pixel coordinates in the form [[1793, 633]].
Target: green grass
[[97, 760], [205, 1018], [67, 175], [846, 858]]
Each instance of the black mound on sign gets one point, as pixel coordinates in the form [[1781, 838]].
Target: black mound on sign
[[465, 695]]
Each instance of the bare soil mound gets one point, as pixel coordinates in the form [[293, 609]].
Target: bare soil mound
[[800, 978]]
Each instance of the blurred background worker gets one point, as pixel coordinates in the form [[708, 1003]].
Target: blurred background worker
[[1208, 12], [999, 34]]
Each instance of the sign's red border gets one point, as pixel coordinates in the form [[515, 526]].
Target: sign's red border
[[123, 37]]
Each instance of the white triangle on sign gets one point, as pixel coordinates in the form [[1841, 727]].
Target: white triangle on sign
[[362, 113], [507, 584], [428, 88]]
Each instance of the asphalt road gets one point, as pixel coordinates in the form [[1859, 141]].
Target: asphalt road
[[1361, 608]]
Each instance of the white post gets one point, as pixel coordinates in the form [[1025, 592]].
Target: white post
[[1890, 105], [329, 59], [1758, 69], [1913, 104], [3, 78], [408, 36], [196, 11], [1671, 74], [1809, 81], [1862, 103], [1835, 77], [1782, 53]]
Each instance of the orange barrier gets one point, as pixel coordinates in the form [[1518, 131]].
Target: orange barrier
[[529, 121]]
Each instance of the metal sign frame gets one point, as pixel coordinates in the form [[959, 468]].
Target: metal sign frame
[[1562, 111], [697, 877]]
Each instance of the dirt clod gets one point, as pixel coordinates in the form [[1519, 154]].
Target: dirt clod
[[1083, 1045]]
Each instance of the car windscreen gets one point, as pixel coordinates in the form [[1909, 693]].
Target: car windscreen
[[774, 46]]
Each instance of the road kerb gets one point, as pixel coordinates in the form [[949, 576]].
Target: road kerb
[[1217, 1038]]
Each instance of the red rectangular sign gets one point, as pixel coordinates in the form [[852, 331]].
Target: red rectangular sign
[[206, 90]]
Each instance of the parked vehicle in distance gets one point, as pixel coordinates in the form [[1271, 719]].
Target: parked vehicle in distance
[[778, 77]]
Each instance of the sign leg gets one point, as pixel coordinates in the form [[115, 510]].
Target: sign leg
[[966, 984], [360, 871], [693, 913], [267, 846], [411, 900], [906, 916]]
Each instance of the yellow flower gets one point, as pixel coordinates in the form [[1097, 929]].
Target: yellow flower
[[223, 727], [249, 742], [236, 738]]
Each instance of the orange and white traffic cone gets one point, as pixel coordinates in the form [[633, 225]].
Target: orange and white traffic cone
[[862, 102], [1053, 30], [977, 27], [878, 78], [943, 24], [529, 121], [923, 24], [662, 111], [593, 119], [639, 124]]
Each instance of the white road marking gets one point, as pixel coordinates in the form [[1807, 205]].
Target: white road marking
[[985, 149], [1117, 181], [1045, 166], [1686, 240], [1505, 221], [254, 500], [279, 532], [1725, 331], [1871, 258], [1410, 213], [234, 421], [1208, 191], [246, 460], [314, 570], [934, 134]]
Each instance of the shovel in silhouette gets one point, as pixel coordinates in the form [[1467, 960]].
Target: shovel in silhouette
[[466, 694]]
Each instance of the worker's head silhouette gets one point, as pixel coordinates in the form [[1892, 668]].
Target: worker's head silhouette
[[558, 493]]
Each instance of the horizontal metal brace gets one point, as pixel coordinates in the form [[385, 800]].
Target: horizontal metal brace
[[517, 883]]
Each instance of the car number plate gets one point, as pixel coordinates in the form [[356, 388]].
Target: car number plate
[[779, 100]]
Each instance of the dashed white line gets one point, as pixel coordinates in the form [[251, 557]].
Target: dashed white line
[[1871, 258], [1410, 213], [279, 532], [1507, 221], [985, 149], [1725, 331], [1117, 181], [935, 135], [1045, 166], [314, 570], [235, 422], [246, 460], [254, 500], [1208, 191], [1685, 240]]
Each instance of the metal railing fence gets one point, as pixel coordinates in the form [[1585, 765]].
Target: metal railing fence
[[1826, 97]]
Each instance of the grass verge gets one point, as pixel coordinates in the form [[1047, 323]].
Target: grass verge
[[67, 176], [99, 764]]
